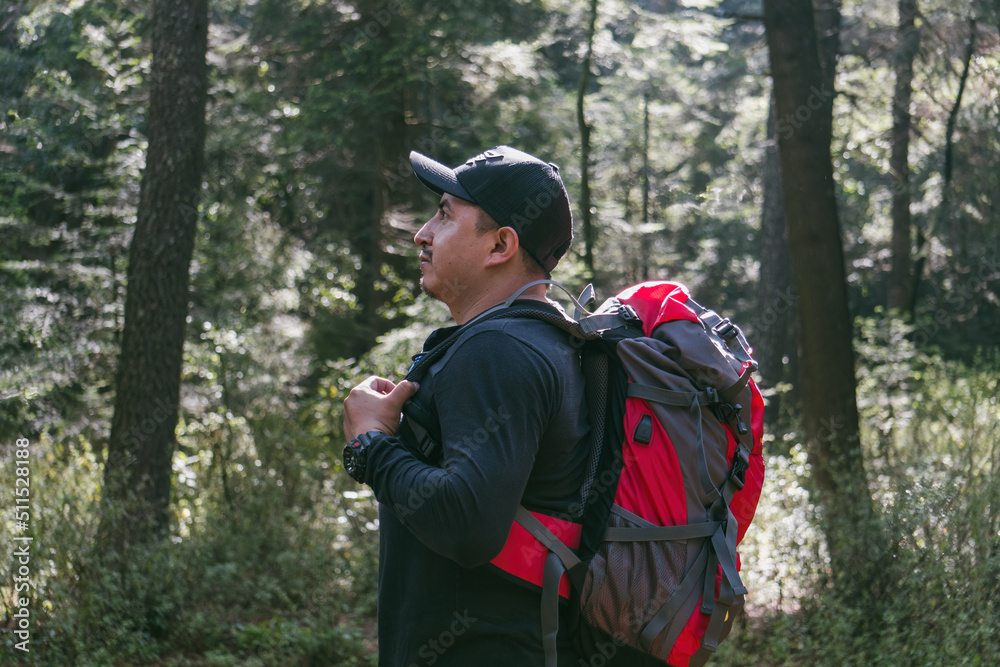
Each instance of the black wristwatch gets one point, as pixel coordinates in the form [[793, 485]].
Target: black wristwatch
[[356, 455]]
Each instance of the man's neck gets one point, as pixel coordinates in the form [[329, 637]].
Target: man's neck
[[491, 298]]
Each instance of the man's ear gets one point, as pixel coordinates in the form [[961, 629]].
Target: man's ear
[[505, 246]]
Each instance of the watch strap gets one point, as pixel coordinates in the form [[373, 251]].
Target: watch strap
[[357, 451]]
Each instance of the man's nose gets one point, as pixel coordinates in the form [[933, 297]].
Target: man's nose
[[423, 236]]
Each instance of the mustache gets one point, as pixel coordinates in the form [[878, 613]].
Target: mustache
[[425, 255]]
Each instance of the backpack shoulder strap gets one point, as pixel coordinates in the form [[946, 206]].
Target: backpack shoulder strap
[[424, 360], [585, 325], [587, 329]]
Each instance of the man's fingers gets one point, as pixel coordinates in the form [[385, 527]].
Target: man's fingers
[[404, 390], [374, 404], [377, 384]]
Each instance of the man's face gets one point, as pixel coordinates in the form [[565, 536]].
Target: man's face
[[452, 250]]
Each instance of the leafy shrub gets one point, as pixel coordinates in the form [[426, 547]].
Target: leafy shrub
[[931, 429], [257, 583]]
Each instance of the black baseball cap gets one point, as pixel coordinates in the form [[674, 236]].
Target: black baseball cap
[[516, 189]]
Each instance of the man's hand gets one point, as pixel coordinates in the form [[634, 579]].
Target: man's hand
[[375, 405]]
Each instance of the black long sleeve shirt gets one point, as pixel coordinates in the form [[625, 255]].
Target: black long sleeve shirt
[[508, 397]]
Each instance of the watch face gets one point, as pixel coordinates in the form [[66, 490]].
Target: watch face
[[353, 460]]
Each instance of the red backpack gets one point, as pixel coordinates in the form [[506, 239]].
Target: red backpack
[[649, 563]]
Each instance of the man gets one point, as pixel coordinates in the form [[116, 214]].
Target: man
[[504, 414]]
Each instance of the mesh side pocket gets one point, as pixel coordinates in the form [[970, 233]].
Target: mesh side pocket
[[628, 582]]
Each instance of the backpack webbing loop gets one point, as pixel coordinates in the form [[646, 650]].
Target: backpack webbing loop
[[680, 399], [560, 559], [690, 531], [550, 607], [542, 533]]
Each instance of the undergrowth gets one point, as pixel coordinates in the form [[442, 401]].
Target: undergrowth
[[275, 561]]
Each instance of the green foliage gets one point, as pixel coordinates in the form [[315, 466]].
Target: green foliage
[[931, 432], [273, 556], [304, 282], [255, 582], [70, 157]]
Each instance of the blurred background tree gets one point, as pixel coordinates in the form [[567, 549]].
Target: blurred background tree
[[303, 279], [137, 476]]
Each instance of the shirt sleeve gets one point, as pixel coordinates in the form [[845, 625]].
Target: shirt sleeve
[[494, 401]]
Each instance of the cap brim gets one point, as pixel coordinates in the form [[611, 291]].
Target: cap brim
[[437, 177]]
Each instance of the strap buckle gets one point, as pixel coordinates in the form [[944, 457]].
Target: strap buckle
[[628, 314], [726, 330], [728, 412], [416, 360], [741, 463]]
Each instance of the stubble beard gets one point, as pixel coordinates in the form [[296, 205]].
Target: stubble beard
[[426, 290], [444, 291]]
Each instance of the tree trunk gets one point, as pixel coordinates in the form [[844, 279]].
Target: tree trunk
[[827, 21], [585, 128], [138, 471], [900, 280], [775, 333], [644, 236], [923, 240], [370, 249], [804, 103]]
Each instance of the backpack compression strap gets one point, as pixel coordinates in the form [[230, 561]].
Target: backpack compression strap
[[717, 555], [735, 342], [559, 560], [524, 553]]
